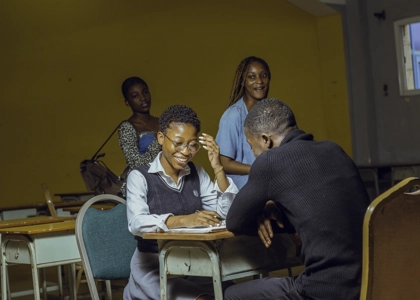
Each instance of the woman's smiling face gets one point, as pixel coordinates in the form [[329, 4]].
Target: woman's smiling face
[[172, 160], [256, 81]]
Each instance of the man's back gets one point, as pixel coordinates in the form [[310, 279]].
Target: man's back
[[319, 189]]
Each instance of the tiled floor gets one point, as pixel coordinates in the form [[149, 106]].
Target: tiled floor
[[21, 279]]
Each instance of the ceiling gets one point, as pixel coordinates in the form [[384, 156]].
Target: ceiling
[[318, 8]]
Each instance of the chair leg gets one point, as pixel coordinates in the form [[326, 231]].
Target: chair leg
[[108, 289]]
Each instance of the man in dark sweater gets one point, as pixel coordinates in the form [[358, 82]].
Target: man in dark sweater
[[317, 187]]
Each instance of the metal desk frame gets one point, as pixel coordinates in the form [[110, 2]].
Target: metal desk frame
[[221, 256], [41, 250]]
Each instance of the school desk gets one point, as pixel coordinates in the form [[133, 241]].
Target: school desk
[[75, 196], [32, 221], [41, 246], [220, 255]]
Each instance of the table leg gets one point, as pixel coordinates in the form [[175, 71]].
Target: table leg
[[168, 247], [9, 294], [217, 278], [44, 284], [60, 283], [34, 269], [163, 276], [3, 272]]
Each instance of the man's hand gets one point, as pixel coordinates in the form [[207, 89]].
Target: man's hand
[[265, 231]]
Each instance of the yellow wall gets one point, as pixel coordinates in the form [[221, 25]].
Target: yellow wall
[[63, 63], [333, 81]]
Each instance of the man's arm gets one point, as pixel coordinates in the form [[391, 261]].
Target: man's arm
[[251, 199]]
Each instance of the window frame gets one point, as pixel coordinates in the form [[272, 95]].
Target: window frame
[[402, 78]]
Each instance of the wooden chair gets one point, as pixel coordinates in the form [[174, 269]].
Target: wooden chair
[[105, 244], [391, 244]]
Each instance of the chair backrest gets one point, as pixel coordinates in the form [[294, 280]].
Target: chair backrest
[[50, 204], [391, 244], [105, 244]]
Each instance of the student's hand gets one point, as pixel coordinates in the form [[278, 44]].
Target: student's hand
[[204, 218], [213, 150], [265, 231]]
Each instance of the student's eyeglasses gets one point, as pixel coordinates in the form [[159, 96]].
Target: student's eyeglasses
[[193, 147]]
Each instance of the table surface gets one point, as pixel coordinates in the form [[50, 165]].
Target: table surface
[[75, 194], [76, 209], [33, 221], [210, 236], [40, 228]]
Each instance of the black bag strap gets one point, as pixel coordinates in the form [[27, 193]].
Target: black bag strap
[[94, 156]]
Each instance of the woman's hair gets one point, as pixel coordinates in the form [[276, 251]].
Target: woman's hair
[[180, 114], [129, 82], [238, 82], [270, 115]]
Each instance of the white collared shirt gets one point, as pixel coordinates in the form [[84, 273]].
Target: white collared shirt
[[139, 218]]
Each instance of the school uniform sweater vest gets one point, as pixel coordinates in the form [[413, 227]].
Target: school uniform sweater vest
[[164, 199]]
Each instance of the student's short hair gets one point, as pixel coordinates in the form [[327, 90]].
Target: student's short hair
[[270, 115], [179, 114], [129, 82]]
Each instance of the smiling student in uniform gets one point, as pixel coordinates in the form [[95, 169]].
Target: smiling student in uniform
[[172, 192]]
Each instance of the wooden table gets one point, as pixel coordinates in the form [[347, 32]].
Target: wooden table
[[33, 221], [220, 255], [75, 196], [41, 246], [76, 209]]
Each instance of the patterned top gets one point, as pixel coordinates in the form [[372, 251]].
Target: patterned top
[[128, 138]]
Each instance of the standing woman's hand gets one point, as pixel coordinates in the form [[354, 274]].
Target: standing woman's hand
[[213, 152]]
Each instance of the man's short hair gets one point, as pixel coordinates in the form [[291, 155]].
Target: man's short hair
[[270, 115]]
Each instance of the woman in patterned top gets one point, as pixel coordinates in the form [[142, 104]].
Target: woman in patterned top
[[137, 135]]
